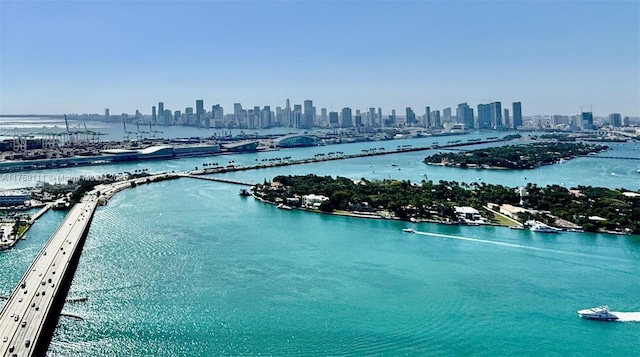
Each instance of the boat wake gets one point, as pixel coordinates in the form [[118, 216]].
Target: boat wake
[[512, 245], [627, 316]]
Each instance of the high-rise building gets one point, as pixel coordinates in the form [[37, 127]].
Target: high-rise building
[[237, 112], [287, 114], [437, 122], [517, 114], [106, 114], [379, 120], [160, 118], [323, 116], [446, 115], [496, 115], [371, 117], [411, 117], [484, 116], [507, 120], [358, 119], [154, 117], [333, 120], [296, 116], [586, 120], [309, 114], [199, 110], [217, 112], [615, 119], [265, 117], [346, 118], [393, 118], [426, 121], [464, 115], [625, 121]]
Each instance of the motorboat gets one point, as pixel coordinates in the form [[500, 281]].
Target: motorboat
[[244, 192], [408, 230], [536, 226], [598, 313], [283, 206]]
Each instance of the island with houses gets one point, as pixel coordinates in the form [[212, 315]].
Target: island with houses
[[583, 208]]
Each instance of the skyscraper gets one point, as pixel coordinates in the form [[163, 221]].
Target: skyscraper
[[379, 121], [287, 115], [507, 121], [435, 115], [427, 117], [333, 120], [154, 117], [323, 116], [464, 115], [346, 118], [496, 115], [237, 112], [517, 114], [586, 120], [199, 111], [297, 118], [484, 116], [446, 115], [411, 117], [615, 119], [160, 118], [309, 114]]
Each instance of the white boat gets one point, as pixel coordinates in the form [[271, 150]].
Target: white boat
[[536, 226], [283, 206], [598, 313], [408, 230]]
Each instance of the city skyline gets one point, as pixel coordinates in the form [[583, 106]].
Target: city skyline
[[82, 57]]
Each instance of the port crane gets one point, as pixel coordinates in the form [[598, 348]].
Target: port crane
[[153, 132], [140, 132], [127, 134]]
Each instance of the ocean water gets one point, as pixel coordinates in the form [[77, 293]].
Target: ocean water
[[190, 268]]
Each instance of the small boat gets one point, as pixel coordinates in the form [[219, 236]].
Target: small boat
[[408, 230], [516, 227], [283, 206], [598, 313], [540, 227], [244, 192]]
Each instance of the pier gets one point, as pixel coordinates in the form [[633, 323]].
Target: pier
[[30, 315]]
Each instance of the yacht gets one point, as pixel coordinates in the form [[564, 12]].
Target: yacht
[[536, 226], [598, 313], [408, 230], [244, 192], [283, 206]]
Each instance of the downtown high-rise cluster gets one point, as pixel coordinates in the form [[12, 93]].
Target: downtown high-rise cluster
[[306, 116]]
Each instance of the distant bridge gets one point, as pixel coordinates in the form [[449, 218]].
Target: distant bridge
[[220, 179]]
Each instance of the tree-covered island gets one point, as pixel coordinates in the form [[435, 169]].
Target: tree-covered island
[[588, 208], [515, 157]]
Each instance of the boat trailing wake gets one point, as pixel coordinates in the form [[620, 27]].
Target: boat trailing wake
[[512, 245], [627, 316]]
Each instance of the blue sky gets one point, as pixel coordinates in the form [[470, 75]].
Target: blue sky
[[553, 56]]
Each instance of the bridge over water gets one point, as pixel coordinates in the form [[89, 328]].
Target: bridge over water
[[31, 313]]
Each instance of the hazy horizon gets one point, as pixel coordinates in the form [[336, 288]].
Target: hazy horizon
[[554, 57]]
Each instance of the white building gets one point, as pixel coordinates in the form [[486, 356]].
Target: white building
[[313, 201]]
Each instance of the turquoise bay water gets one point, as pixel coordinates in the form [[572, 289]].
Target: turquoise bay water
[[189, 268]]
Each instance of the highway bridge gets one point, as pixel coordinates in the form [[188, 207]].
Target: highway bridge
[[30, 315]]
